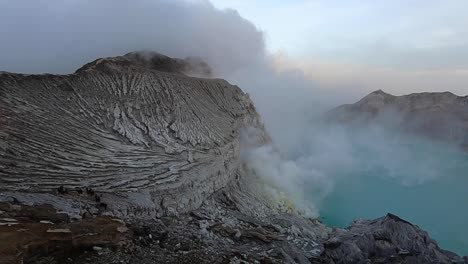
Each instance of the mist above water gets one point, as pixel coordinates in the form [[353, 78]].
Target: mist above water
[[418, 179], [340, 173]]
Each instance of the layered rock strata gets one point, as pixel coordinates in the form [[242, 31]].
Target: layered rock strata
[[134, 129]]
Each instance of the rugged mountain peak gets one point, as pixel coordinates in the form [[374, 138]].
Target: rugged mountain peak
[[427, 99], [376, 100], [379, 92], [441, 115], [192, 66]]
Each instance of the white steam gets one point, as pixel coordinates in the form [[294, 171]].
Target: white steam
[[289, 181]]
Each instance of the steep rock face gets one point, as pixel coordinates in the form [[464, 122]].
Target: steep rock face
[[132, 128], [439, 115]]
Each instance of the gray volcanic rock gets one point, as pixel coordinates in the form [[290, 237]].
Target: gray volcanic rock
[[134, 129], [389, 239], [154, 61], [441, 116]]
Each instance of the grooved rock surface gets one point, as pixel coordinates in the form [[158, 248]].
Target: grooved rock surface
[[129, 124], [441, 116]]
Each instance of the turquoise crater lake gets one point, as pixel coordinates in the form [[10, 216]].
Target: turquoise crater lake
[[419, 180]]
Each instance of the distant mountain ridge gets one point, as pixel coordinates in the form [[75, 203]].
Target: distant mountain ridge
[[379, 100], [441, 115]]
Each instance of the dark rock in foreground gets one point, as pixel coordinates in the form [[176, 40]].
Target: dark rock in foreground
[[232, 237], [29, 232], [389, 239]]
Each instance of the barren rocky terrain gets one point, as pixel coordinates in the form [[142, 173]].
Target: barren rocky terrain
[[131, 159]]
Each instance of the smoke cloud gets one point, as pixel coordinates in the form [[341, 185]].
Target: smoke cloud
[[58, 36]]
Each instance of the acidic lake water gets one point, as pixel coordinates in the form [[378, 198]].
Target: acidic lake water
[[421, 181]]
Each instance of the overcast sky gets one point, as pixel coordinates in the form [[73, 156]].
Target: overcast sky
[[419, 33]]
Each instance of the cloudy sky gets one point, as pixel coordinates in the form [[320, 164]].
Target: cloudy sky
[[414, 33], [398, 45]]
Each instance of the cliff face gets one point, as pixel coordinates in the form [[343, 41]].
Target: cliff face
[[134, 125], [441, 116]]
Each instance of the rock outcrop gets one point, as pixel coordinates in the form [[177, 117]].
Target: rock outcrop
[[134, 129], [27, 232], [442, 116], [389, 239], [132, 159]]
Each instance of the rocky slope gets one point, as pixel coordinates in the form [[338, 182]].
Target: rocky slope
[[123, 125], [441, 116], [131, 160]]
